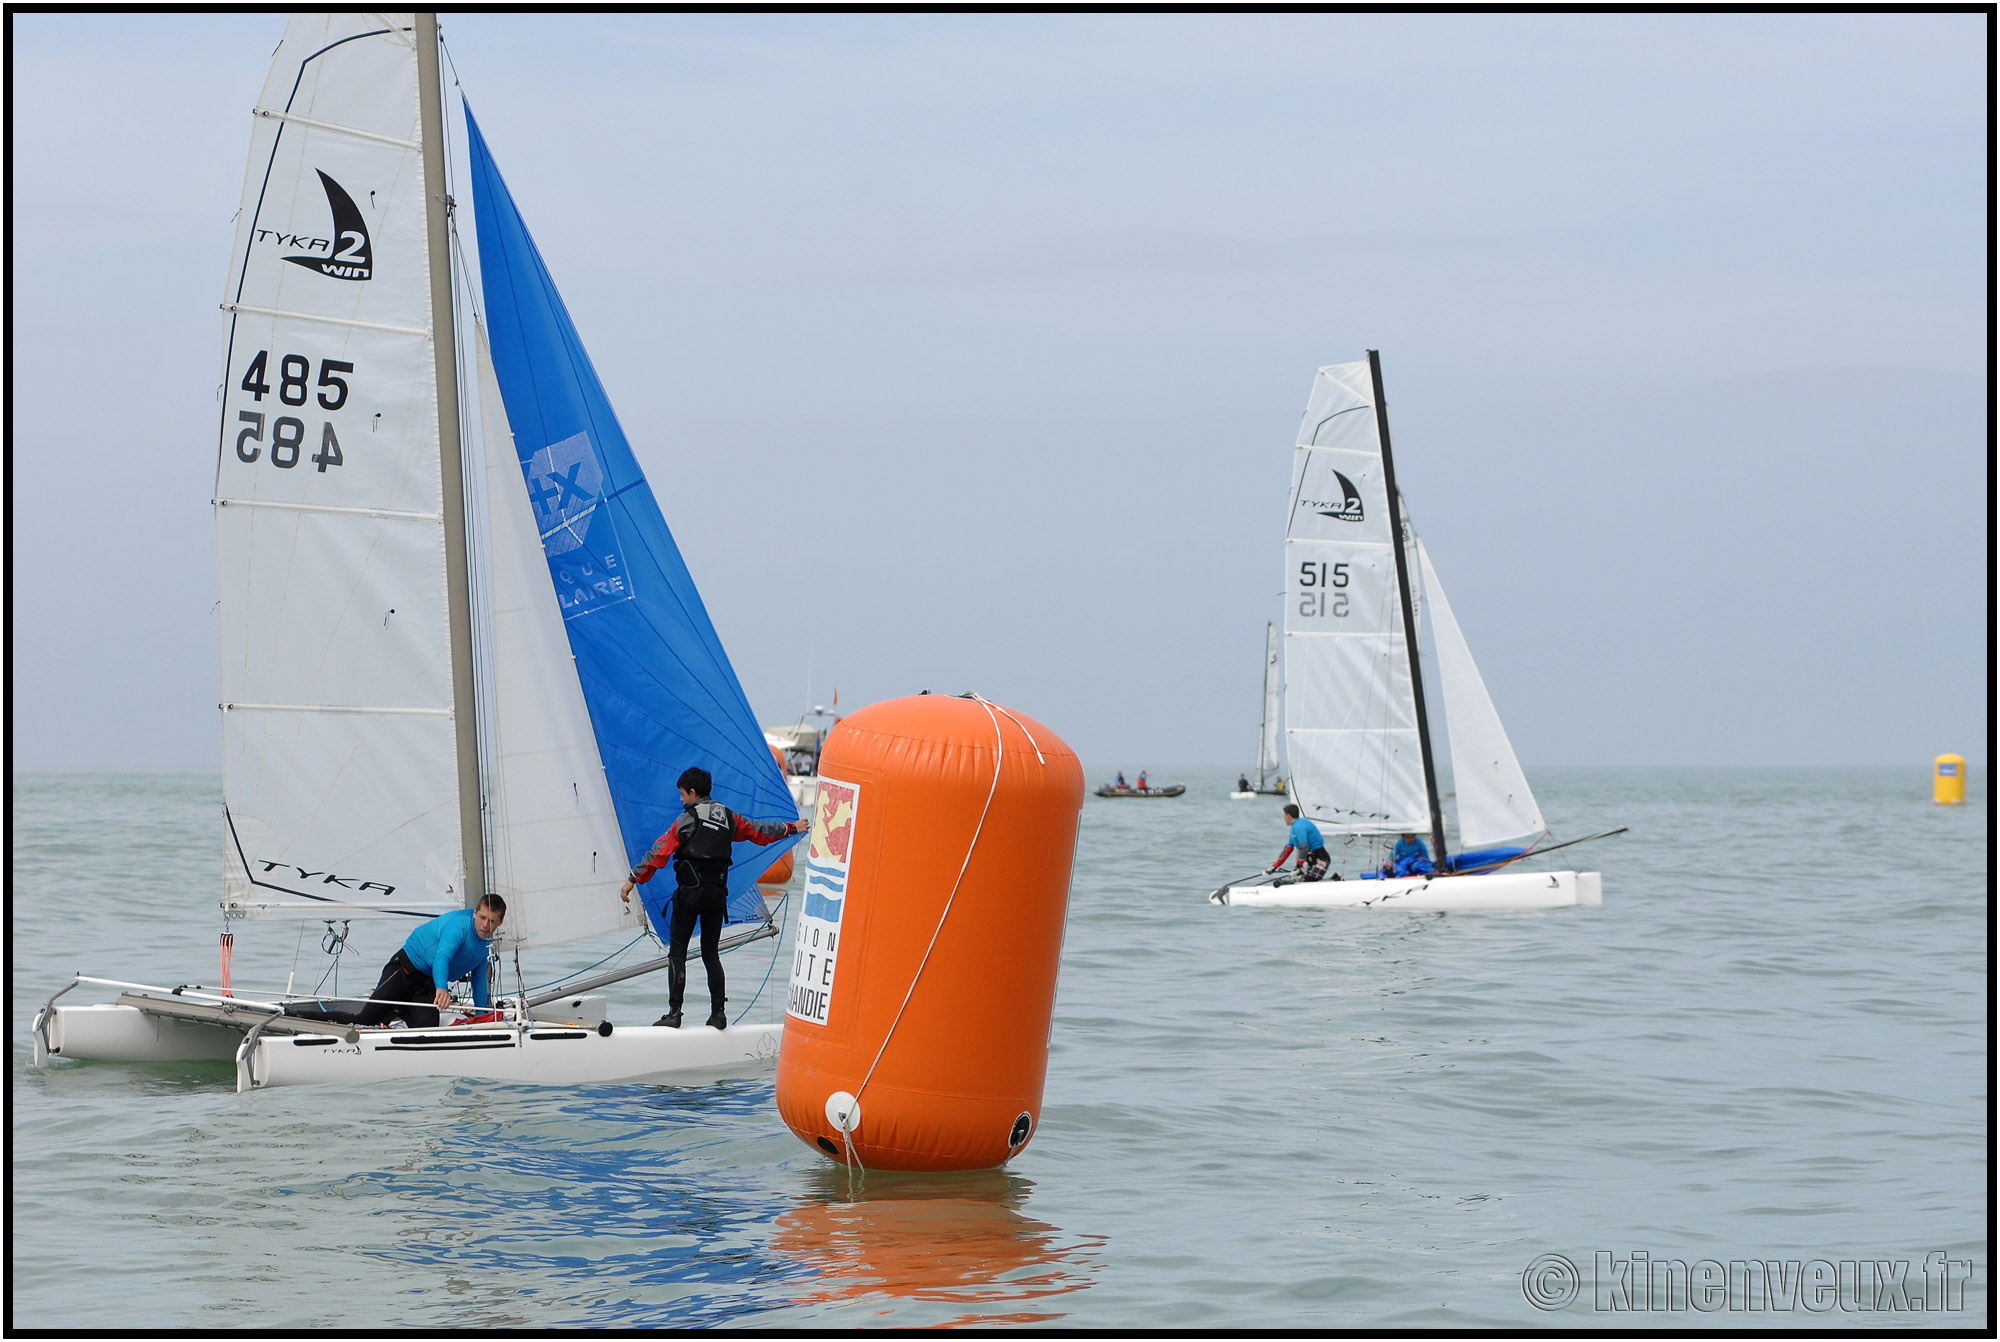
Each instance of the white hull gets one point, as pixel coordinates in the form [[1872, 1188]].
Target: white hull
[[805, 791], [536, 1052], [1242, 796], [539, 1054], [1500, 890], [127, 1034]]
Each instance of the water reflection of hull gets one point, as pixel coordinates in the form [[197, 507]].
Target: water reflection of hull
[[951, 1238]]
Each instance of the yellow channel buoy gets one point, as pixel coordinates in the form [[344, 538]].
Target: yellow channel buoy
[[1948, 780]]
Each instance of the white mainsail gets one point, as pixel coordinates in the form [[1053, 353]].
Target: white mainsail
[[339, 779], [1350, 711], [1494, 803], [558, 857]]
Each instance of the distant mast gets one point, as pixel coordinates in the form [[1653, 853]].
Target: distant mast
[[1267, 724], [1409, 615]]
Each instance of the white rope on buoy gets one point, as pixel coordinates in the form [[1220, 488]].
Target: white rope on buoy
[[1024, 731], [844, 1112]]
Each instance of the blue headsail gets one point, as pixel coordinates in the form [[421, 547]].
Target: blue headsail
[[661, 693]]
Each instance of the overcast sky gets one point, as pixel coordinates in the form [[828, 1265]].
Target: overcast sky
[[966, 352]]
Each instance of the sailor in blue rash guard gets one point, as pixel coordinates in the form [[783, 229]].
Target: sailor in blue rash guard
[[414, 982], [1304, 839]]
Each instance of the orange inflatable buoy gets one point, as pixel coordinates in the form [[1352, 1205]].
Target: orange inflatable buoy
[[923, 976], [779, 872]]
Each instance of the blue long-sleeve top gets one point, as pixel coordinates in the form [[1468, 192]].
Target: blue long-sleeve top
[[449, 947], [1304, 838], [1411, 858]]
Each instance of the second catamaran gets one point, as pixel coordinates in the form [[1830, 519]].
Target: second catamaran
[[1357, 730]]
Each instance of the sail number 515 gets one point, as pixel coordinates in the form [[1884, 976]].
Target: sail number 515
[[1317, 599], [288, 432]]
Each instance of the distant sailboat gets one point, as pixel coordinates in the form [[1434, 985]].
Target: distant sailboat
[[432, 691], [800, 744], [1267, 783], [1357, 732]]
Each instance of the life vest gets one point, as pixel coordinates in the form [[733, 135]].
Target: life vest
[[701, 858]]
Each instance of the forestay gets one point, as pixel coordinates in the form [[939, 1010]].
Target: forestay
[[1494, 803], [1350, 713], [340, 790], [658, 689]]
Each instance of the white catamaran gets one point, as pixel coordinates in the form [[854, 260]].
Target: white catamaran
[[1267, 783], [1356, 729], [433, 684]]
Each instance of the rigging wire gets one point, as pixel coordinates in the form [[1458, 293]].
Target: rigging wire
[[777, 946], [563, 978], [445, 47], [333, 944]]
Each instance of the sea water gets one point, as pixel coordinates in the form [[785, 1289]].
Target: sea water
[[1766, 1053]]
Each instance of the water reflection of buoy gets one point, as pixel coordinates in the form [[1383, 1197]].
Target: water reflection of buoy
[[952, 1238], [924, 961]]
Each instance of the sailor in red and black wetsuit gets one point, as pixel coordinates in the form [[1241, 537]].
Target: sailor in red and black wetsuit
[[698, 845]]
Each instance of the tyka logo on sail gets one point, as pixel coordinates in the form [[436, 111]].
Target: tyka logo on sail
[[1349, 507], [344, 882], [348, 255]]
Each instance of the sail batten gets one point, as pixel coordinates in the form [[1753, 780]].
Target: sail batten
[[300, 315], [335, 128], [388, 514]]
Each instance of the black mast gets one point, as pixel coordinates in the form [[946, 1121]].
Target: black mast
[[1409, 615]]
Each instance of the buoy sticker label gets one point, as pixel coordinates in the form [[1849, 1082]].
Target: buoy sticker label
[[816, 950]]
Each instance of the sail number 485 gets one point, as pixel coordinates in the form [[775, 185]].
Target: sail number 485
[[288, 432], [1317, 599]]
